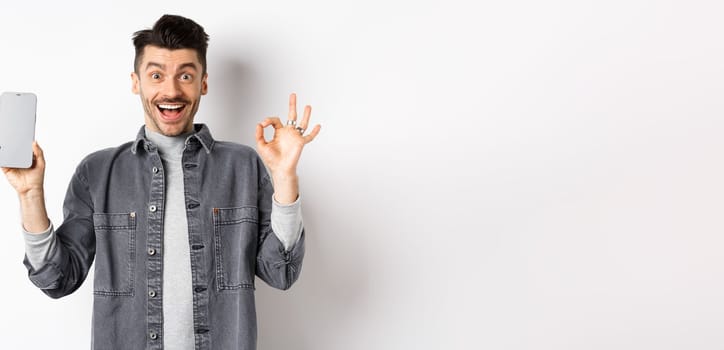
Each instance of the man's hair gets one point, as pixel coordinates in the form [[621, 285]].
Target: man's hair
[[172, 32]]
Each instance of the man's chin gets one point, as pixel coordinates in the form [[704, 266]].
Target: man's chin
[[172, 132], [173, 129]]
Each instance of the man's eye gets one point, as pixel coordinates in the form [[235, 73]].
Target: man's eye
[[186, 77], [155, 76]]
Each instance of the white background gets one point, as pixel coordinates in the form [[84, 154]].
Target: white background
[[489, 175]]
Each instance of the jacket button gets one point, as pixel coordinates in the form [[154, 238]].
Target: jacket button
[[155, 170], [152, 208], [152, 293], [153, 335], [151, 251]]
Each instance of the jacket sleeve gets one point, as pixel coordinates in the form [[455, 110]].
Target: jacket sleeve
[[275, 265], [68, 264]]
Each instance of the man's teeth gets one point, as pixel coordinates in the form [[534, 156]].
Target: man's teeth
[[170, 106]]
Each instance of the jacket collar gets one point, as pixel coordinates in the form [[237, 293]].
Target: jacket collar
[[201, 135]]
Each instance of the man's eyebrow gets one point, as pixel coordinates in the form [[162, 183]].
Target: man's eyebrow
[[154, 64], [187, 65], [163, 66]]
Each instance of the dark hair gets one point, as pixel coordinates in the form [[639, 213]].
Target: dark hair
[[172, 32]]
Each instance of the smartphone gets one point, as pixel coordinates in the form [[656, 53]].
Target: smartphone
[[17, 129]]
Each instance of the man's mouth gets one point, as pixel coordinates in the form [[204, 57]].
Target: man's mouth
[[170, 111]]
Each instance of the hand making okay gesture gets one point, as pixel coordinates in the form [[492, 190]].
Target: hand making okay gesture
[[281, 154]]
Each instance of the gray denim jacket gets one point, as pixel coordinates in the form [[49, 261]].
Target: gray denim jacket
[[113, 211]]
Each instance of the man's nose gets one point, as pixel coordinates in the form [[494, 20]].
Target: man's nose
[[171, 88]]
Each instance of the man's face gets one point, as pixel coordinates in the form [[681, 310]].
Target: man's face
[[170, 83]]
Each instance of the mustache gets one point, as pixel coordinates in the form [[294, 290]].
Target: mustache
[[172, 100]]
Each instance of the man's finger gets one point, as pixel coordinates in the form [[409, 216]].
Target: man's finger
[[274, 121], [260, 141], [313, 134], [305, 119], [293, 106], [38, 157], [38, 152]]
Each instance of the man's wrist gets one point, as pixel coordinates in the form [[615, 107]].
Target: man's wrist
[[278, 176], [32, 209], [32, 194], [286, 188]]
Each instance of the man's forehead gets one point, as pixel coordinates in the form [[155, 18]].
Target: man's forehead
[[164, 57]]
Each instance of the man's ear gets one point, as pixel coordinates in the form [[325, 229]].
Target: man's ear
[[204, 84], [135, 84]]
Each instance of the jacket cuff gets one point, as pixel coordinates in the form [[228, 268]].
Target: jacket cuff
[[51, 273]]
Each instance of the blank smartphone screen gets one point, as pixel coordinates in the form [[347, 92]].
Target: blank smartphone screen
[[17, 129]]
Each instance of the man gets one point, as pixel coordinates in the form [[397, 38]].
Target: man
[[179, 223]]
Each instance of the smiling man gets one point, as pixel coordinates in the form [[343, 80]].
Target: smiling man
[[178, 223], [170, 82]]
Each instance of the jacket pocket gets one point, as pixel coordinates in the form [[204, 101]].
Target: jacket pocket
[[235, 246], [115, 254]]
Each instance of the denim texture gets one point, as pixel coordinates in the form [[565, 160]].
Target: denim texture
[[113, 213]]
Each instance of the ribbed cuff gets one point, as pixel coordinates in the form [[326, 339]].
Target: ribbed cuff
[[286, 222], [39, 246]]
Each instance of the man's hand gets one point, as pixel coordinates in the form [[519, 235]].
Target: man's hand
[[281, 154], [29, 185], [31, 179]]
